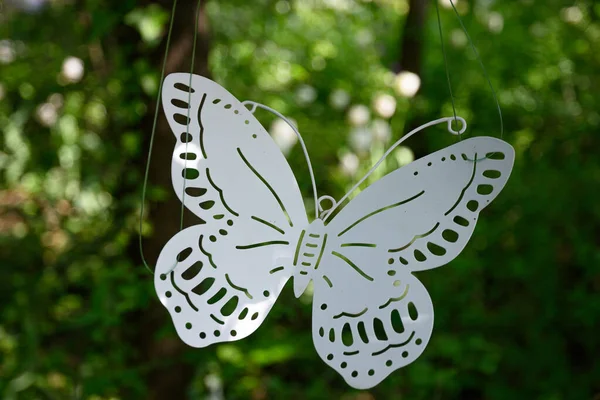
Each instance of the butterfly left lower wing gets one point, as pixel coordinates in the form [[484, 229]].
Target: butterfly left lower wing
[[220, 290], [418, 217]]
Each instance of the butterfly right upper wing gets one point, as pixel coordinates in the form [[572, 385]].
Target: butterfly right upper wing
[[424, 213], [371, 316]]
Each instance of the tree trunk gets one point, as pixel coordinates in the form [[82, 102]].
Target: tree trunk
[[412, 38], [411, 58]]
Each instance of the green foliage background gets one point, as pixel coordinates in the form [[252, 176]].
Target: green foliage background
[[517, 313]]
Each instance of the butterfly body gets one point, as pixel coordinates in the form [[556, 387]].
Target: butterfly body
[[371, 315], [308, 255]]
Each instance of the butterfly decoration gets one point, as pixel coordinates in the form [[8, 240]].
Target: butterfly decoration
[[371, 315]]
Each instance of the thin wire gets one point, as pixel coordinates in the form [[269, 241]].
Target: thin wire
[[485, 73], [310, 169], [398, 143], [437, 10], [187, 127], [154, 123]]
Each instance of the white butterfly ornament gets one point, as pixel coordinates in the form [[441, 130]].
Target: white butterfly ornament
[[371, 315]]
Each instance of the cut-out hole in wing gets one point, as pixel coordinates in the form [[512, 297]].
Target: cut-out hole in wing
[[183, 87]]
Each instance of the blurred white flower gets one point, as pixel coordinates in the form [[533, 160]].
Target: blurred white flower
[[359, 115], [306, 94], [495, 22], [72, 69], [318, 63], [282, 7], [382, 131], [214, 384], [349, 164], [29, 5], [407, 83], [213, 381], [572, 14], [361, 139], [8, 52], [384, 105], [364, 38], [95, 113], [404, 155], [458, 38], [340, 5], [68, 155], [538, 29], [283, 72], [566, 66], [339, 99], [47, 114], [448, 3], [283, 135], [56, 100]]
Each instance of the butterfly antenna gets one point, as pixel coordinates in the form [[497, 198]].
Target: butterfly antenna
[[254, 105]]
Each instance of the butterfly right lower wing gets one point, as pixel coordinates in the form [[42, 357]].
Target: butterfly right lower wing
[[371, 316], [368, 324]]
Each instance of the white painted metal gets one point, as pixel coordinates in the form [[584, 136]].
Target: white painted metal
[[371, 315]]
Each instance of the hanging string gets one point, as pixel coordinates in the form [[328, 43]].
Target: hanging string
[[187, 128], [154, 125], [437, 10], [152, 135], [479, 60]]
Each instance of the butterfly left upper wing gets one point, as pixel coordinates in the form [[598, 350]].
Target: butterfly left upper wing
[[229, 162], [371, 316]]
